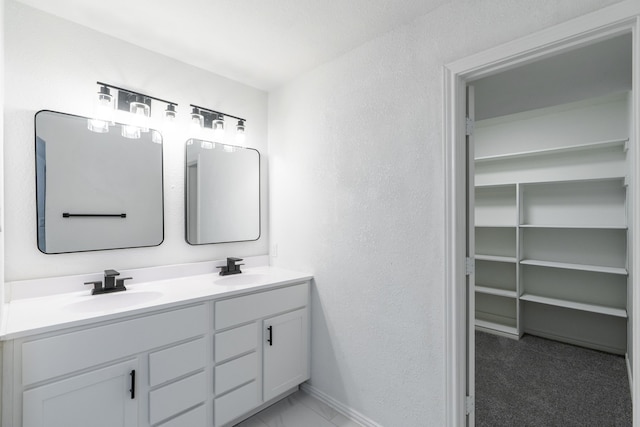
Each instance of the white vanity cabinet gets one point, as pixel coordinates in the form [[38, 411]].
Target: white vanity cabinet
[[262, 349], [214, 361], [133, 372]]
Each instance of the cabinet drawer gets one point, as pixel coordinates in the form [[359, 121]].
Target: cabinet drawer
[[173, 398], [235, 311], [236, 341], [236, 403], [173, 362], [195, 417], [236, 372], [82, 349]]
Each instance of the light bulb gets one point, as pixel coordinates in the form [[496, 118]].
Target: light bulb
[[240, 132], [207, 145], [103, 112], [170, 113], [229, 148], [218, 127], [104, 105], [141, 112], [197, 121]]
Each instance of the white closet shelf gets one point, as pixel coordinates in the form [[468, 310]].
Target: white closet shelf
[[614, 143], [495, 258], [497, 186], [593, 308], [495, 291], [496, 225], [572, 266], [577, 227]]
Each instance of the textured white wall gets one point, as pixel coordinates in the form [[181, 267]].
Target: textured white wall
[[54, 64], [356, 197]]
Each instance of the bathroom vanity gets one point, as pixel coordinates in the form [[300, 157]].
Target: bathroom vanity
[[196, 350]]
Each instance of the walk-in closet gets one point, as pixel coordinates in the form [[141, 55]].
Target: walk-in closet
[[552, 202]]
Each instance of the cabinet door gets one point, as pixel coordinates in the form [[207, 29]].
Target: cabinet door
[[100, 398], [286, 352]]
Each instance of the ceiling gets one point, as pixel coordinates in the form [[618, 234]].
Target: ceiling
[[262, 43]]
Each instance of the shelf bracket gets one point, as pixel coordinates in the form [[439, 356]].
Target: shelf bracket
[[470, 405], [469, 266]]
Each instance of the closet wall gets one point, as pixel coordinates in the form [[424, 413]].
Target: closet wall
[[551, 223]]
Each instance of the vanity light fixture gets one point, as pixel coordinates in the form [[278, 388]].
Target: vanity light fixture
[[197, 120], [170, 113], [240, 135], [103, 112], [138, 106], [214, 120], [218, 127]]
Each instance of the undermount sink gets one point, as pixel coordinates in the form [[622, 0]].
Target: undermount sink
[[112, 301], [240, 279]]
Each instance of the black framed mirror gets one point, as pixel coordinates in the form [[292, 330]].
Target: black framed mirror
[[96, 191], [222, 193]]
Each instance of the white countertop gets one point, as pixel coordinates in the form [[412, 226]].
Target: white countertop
[[28, 316]]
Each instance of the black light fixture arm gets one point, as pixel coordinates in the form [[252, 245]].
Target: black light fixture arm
[[208, 110]]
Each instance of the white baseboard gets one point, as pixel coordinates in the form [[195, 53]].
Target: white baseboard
[[339, 406]]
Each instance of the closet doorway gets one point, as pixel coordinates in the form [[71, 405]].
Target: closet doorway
[[551, 172], [543, 201]]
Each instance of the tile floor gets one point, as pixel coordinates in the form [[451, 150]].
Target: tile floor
[[299, 410]]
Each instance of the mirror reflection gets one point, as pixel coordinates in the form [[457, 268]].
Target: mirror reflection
[[222, 193], [96, 191]]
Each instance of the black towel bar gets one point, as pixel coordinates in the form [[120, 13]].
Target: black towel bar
[[69, 215]]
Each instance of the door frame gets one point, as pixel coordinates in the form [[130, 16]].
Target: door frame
[[614, 20]]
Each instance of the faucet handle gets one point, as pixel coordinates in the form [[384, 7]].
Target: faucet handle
[[97, 286], [233, 259], [111, 273], [120, 282]]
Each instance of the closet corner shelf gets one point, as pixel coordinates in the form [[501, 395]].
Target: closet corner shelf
[[495, 291], [593, 308], [571, 266], [614, 143], [496, 258]]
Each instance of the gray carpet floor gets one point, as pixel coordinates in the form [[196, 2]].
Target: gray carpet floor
[[539, 382]]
